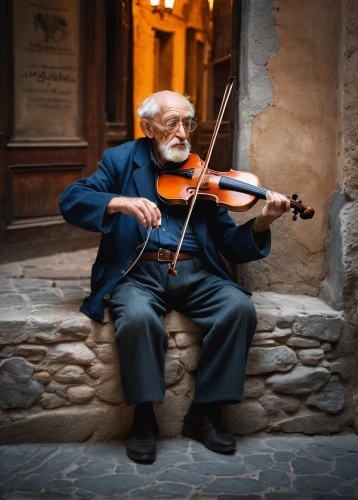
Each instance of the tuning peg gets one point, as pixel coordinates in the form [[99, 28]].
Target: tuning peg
[[294, 197]]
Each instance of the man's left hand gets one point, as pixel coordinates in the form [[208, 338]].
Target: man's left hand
[[276, 205]]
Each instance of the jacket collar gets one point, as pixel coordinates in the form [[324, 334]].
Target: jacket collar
[[144, 175], [143, 153]]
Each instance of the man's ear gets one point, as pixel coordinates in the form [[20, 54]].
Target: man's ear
[[146, 128]]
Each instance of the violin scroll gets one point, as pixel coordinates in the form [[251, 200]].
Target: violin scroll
[[298, 208]]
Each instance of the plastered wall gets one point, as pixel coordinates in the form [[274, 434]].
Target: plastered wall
[[294, 141]]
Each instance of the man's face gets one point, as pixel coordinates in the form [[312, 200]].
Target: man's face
[[171, 146]]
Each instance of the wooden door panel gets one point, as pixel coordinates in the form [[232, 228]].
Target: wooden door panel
[[42, 153], [35, 189], [221, 69]]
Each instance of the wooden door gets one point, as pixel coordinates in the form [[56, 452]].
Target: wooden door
[[53, 123], [119, 72]]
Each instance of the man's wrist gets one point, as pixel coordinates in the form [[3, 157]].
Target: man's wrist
[[113, 205], [260, 224]]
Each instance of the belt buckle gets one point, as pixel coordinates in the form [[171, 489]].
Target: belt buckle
[[162, 252]]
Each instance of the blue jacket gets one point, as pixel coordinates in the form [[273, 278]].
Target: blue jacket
[[126, 170]]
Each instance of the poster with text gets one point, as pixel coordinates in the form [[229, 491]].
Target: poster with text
[[47, 71]]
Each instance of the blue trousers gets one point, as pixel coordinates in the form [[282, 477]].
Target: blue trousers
[[225, 314]]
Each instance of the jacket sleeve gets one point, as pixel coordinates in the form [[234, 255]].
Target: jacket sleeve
[[239, 244], [84, 202]]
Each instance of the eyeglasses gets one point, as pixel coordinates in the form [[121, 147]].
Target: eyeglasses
[[172, 126]]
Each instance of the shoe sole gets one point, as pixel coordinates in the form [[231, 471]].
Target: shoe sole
[[191, 433], [142, 458]]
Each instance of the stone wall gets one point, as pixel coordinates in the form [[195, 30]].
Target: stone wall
[[341, 284], [59, 374]]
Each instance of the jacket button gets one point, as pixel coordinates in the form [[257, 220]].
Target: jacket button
[[122, 272], [107, 296], [129, 263]]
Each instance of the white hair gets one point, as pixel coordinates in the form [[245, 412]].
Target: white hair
[[150, 108]]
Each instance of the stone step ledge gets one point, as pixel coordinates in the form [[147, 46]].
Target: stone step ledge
[[59, 368]]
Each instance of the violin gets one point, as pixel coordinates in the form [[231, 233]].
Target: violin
[[233, 190], [237, 191]]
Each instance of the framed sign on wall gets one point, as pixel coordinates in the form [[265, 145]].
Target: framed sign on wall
[[47, 70]]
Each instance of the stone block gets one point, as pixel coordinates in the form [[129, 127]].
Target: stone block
[[186, 385], [174, 371], [16, 394], [42, 377], [254, 388], [326, 346], [290, 404], [31, 352], [186, 339], [80, 394], [295, 341], [14, 325], [330, 398], [326, 326], [55, 388], [341, 367], [311, 357], [102, 332], [171, 414], [263, 342], [17, 390], [80, 325], [108, 385], [189, 357], [60, 425], [7, 351], [17, 368], [44, 326], [314, 423], [265, 360], [115, 421], [272, 404], [245, 418], [301, 380], [106, 352], [175, 322], [74, 353], [171, 343], [97, 370], [52, 400], [110, 391], [71, 374], [267, 319], [277, 333], [51, 368], [41, 324]]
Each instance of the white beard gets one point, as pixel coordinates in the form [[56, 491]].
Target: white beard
[[169, 153]]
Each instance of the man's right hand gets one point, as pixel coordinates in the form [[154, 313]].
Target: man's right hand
[[145, 211]]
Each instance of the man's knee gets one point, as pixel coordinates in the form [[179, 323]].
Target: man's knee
[[239, 306], [139, 325]]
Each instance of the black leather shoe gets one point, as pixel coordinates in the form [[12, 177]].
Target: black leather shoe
[[142, 446], [206, 428]]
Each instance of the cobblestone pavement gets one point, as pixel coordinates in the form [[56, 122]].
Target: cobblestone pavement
[[264, 467], [57, 279]]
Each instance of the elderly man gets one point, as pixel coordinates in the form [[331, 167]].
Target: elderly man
[[120, 201]]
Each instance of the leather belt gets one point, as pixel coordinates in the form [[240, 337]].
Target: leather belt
[[164, 255]]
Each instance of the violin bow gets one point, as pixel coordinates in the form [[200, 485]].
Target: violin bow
[[172, 265]]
